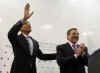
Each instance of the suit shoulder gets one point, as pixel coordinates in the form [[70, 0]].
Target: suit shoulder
[[60, 46], [36, 41], [33, 39]]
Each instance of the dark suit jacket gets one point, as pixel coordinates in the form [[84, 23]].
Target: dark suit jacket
[[94, 62], [67, 62], [23, 61]]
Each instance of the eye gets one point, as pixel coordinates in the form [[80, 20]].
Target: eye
[[75, 33]]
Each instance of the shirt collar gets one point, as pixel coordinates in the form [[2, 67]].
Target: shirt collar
[[72, 43], [25, 35]]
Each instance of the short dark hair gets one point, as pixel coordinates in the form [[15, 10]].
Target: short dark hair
[[68, 32]]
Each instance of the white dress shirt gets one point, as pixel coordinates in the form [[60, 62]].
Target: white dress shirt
[[71, 44]]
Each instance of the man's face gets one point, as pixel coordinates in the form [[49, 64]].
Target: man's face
[[73, 36], [26, 28]]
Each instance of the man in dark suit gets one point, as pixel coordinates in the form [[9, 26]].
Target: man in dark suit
[[72, 57], [25, 48]]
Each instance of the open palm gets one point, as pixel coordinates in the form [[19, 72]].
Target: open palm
[[27, 15]]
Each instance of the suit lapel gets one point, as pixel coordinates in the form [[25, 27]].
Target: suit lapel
[[69, 48], [24, 44]]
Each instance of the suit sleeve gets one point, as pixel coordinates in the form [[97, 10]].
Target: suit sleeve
[[13, 32], [42, 56], [84, 57], [61, 60]]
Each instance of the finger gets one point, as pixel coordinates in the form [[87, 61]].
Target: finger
[[27, 6], [82, 44], [26, 10], [31, 14]]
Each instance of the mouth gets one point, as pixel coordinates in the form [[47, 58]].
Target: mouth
[[28, 31], [75, 37]]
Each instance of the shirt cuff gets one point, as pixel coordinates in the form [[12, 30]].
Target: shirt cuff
[[22, 21], [75, 56]]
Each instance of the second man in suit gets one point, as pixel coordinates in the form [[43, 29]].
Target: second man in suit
[[71, 56]]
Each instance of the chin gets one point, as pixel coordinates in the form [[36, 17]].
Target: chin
[[75, 41], [28, 31]]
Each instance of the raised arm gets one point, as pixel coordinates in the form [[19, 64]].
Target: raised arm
[[12, 34]]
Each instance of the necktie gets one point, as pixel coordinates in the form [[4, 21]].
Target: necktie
[[74, 46]]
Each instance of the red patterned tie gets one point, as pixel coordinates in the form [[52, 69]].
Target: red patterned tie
[[74, 46]]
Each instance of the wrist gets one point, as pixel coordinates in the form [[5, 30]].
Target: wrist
[[23, 19]]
